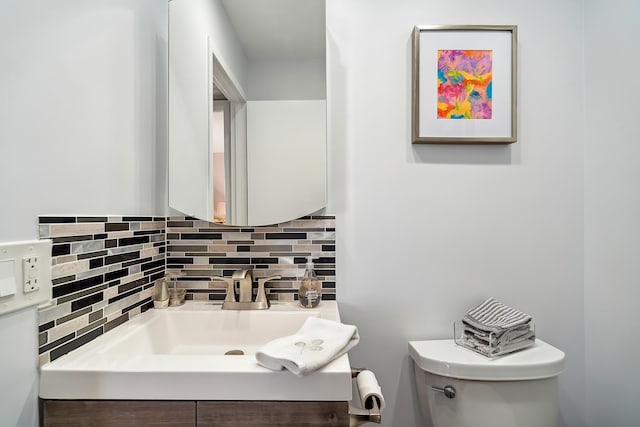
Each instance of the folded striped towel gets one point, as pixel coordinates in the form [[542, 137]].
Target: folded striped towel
[[509, 336], [481, 347], [495, 317]]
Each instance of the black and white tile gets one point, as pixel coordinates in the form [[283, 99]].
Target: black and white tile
[[200, 249], [104, 268], [103, 273]]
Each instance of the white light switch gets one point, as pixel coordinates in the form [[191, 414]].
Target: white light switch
[[7, 278]]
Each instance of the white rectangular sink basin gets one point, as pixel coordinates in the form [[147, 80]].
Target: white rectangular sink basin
[[208, 332], [179, 353]]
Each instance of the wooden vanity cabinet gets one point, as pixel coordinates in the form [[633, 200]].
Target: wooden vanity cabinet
[[272, 414], [125, 413]]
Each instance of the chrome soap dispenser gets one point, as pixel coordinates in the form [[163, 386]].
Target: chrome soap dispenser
[[161, 297], [310, 291]]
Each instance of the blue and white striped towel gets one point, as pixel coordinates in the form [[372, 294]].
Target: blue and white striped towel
[[495, 317]]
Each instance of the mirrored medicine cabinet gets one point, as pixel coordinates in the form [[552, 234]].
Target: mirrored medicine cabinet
[[247, 109]]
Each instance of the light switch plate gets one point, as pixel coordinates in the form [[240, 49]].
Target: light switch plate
[[7, 277], [31, 277]]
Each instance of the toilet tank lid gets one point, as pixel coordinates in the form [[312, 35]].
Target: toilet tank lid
[[444, 357]]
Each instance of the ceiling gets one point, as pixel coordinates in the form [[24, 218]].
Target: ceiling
[[279, 29]]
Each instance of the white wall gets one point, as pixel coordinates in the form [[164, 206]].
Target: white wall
[[612, 212], [286, 79], [426, 232], [286, 152], [82, 130]]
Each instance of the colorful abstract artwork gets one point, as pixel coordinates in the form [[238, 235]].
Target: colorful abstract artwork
[[464, 84]]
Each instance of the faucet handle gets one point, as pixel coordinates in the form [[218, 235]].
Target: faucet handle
[[261, 297], [231, 295]]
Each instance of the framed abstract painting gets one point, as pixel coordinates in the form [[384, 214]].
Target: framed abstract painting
[[464, 84]]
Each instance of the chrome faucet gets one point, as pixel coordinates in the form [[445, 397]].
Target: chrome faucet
[[244, 279]]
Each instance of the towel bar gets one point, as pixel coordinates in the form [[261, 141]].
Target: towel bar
[[359, 416]]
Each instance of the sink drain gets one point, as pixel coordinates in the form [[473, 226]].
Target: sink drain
[[234, 353]]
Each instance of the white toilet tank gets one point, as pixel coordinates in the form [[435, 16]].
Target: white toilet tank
[[459, 388]]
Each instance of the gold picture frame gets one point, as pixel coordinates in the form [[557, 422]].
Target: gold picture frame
[[475, 104]]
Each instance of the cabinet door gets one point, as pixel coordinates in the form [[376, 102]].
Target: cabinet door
[[108, 413], [272, 414]]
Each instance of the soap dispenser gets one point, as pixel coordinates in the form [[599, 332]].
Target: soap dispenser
[[161, 297], [310, 290]]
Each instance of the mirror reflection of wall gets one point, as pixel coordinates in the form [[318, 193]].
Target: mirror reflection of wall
[[220, 145], [261, 64]]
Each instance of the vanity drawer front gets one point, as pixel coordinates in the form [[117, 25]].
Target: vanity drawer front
[[272, 414], [108, 413]]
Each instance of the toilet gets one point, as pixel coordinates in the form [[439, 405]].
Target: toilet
[[459, 388]]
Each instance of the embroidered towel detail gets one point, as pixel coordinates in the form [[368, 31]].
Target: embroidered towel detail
[[318, 342], [493, 316]]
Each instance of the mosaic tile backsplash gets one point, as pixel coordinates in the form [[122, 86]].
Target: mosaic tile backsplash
[[103, 273], [200, 250], [104, 268]]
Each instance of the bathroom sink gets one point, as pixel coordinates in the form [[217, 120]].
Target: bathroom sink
[[194, 352], [208, 332]]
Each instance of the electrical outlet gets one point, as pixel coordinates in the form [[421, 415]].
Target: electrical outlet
[[30, 274], [30, 266], [25, 274]]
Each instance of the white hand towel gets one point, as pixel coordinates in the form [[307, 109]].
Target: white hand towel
[[318, 342]]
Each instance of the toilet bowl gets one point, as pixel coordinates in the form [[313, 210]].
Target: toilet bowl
[[459, 388]]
